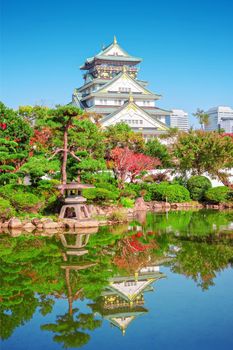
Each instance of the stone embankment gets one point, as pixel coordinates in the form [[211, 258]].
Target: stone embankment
[[102, 215], [47, 224]]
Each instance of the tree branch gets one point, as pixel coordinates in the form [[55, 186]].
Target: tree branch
[[74, 156], [56, 152]]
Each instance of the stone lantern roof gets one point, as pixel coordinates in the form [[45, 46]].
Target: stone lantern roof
[[74, 186]]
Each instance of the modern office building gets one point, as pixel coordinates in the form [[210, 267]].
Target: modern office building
[[178, 119], [220, 117], [111, 90]]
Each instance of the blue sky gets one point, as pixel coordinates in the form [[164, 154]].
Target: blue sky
[[186, 46]]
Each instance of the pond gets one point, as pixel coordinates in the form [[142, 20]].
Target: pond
[[162, 281]]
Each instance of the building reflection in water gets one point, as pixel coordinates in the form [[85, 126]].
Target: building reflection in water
[[122, 301]]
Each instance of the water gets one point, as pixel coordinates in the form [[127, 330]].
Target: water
[[164, 281]]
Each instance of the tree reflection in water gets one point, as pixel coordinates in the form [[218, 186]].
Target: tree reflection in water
[[103, 267]]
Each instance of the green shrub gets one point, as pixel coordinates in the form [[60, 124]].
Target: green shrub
[[47, 189], [136, 188], [197, 186], [117, 216], [165, 191], [100, 177], [6, 210], [147, 197], [180, 180], [127, 202], [176, 194], [99, 194], [26, 201], [218, 194], [128, 192], [108, 186], [148, 178], [20, 198], [48, 185]]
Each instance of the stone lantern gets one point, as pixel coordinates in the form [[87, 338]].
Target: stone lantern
[[74, 206]]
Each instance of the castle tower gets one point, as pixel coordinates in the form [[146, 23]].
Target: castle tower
[[112, 90]]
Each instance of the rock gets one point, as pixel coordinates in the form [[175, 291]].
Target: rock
[[174, 206], [39, 226], [86, 223], [103, 222], [29, 226], [5, 224], [140, 204], [15, 223], [100, 211], [50, 225], [158, 205], [26, 221], [61, 225], [48, 232], [46, 220], [166, 205], [15, 232], [36, 221], [212, 206]]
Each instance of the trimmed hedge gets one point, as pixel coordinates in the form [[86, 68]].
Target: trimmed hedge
[[197, 186], [220, 194], [171, 193]]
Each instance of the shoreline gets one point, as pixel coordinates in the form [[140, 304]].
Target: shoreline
[[100, 216]]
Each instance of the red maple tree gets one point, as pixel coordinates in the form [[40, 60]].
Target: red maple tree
[[41, 139], [127, 164]]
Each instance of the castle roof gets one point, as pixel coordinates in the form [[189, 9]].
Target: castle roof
[[152, 111], [131, 105], [112, 52], [125, 76], [130, 292]]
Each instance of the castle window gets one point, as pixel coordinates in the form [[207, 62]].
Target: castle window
[[124, 89]]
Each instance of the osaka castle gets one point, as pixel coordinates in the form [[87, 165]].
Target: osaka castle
[[112, 91]]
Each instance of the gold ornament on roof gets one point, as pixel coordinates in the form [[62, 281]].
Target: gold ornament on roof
[[131, 99], [124, 69], [114, 39]]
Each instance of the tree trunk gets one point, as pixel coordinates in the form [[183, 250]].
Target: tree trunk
[[225, 179], [70, 298], [65, 154], [79, 177]]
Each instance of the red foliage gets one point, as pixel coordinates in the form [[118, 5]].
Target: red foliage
[[130, 164], [136, 246], [228, 134], [41, 137], [3, 126]]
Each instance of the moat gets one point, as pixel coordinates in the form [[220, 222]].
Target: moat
[[162, 281]]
